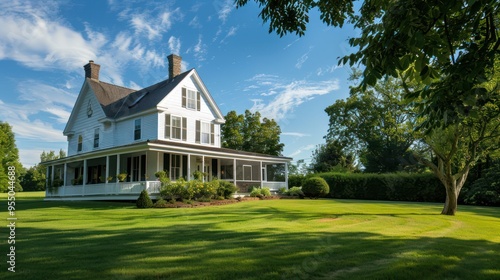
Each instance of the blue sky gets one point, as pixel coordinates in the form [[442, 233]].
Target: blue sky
[[43, 47]]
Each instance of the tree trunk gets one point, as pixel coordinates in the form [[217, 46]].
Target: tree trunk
[[451, 203]]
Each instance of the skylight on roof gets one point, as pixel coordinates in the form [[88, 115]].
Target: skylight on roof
[[138, 99]]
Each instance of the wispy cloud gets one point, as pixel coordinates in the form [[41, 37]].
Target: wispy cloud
[[29, 36], [328, 69], [295, 134], [302, 150], [230, 33], [290, 96], [224, 9], [152, 25], [37, 99], [174, 45]]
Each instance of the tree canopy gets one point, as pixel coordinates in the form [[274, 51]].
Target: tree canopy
[[376, 124], [9, 156], [450, 48], [249, 133], [35, 177]]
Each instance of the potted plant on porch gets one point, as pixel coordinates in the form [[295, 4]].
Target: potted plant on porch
[[122, 176]]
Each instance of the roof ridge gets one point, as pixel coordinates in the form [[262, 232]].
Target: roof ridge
[[114, 85]]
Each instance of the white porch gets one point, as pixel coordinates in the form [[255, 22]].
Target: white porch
[[95, 176]]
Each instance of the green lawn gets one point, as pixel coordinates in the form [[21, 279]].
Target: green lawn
[[273, 239]]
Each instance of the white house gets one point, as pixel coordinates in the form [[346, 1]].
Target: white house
[[173, 125]]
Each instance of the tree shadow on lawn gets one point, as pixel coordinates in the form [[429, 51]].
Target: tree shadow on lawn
[[202, 251]]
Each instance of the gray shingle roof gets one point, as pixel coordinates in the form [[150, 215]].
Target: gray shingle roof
[[108, 93], [118, 102]]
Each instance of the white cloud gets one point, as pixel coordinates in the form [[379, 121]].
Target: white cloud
[[200, 50], [301, 60], [29, 36], [230, 33], [174, 45], [152, 25], [302, 150], [295, 134], [328, 69], [38, 98], [290, 96], [225, 9], [195, 23]]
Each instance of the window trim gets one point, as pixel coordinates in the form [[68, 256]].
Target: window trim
[[137, 131], [79, 146], [169, 128], [97, 136], [185, 99]]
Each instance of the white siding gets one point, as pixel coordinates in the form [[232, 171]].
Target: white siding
[[173, 101], [85, 126], [124, 130]]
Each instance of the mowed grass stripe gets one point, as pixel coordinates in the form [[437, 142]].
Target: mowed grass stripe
[[277, 239]]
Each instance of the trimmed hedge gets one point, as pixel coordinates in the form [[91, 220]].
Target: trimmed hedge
[[394, 186]]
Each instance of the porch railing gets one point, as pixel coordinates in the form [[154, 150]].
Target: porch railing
[[121, 188]]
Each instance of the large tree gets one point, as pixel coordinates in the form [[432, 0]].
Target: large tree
[[448, 46], [249, 133], [35, 177], [376, 124], [9, 157], [331, 156]]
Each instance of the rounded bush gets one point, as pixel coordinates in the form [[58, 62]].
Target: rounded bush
[[265, 192], [315, 187], [144, 201]]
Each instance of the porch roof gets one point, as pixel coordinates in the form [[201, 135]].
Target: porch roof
[[172, 147]]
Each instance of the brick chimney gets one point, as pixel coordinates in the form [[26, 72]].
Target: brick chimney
[[92, 70], [174, 65]]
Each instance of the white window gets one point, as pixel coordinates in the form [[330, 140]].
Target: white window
[[137, 129], [96, 138], [175, 168], [176, 127], [80, 143], [205, 133], [191, 99]]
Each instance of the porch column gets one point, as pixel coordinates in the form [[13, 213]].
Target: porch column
[[107, 170], [47, 181], [234, 171], [203, 167], [189, 167], [158, 161], [84, 176], [65, 172], [286, 174], [117, 167], [261, 176], [52, 171]]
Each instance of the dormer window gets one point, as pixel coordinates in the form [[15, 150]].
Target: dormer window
[[191, 99]]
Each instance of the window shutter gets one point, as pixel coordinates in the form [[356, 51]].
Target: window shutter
[[212, 134], [183, 97], [198, 101], [167, 126], [198, 131], [184, 129]]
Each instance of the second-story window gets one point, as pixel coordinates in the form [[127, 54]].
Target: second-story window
[[96, 138], [176, 127], [191, 99], [137, 129], [80, 143]]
